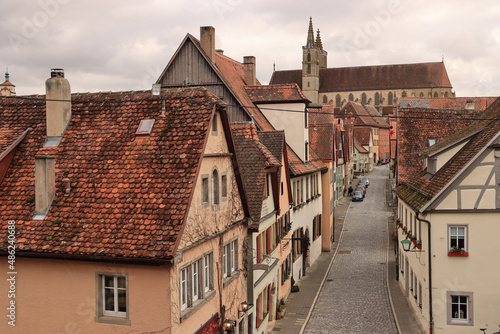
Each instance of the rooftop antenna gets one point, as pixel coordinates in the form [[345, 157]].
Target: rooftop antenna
[[442, 58], [274, 66]]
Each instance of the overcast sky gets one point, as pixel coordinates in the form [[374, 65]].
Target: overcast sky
[[117, 45]]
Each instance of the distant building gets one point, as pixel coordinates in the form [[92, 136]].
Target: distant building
[[7, 88], [379, 86]]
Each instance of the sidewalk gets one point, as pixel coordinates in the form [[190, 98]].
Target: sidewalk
[[299, 304]]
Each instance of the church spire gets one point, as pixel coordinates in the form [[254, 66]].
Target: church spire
[[7, 74], [310, 35], [319, 44]]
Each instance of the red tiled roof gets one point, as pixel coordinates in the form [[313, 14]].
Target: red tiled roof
[[254, 159], [321, 131], [417, 125], [7, 83], [358, 146], [418, 190], [298, 167], [363, 118], [128, 197], [344, 79], [452, 103], [363, 135], [377, 117], [276, 94]]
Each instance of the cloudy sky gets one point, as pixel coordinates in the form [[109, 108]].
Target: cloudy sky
[[117, 45]]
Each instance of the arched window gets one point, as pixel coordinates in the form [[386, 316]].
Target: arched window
[[435, 94], [338, 102], [445, 94], [308, 68], [377, 99], [215, 187], [403, 94], [325, 99], [351, 97], [363, 98], [308, 57], [422, 94], [389, 99]]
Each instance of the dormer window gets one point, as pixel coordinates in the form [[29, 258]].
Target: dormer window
[[214, 125], [431, 141], [469, 105]]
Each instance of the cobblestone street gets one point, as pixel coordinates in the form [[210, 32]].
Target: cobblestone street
[[354, 298]]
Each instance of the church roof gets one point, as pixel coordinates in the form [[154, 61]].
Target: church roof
[[401, 76]]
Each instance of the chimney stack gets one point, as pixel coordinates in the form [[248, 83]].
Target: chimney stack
[[207, 40], [249, 70], [58, 104], [45, 185]]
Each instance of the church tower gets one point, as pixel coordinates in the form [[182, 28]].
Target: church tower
[[313, 58], [7, 89]]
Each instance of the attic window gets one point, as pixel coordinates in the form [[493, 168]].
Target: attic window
[[431, 141], [469, 105], [145, 128]]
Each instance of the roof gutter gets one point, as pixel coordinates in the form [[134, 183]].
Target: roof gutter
[[431, 319], [94, 258]]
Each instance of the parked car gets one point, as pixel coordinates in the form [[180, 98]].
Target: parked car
[[362, 188], [358, 196], [364, 181]]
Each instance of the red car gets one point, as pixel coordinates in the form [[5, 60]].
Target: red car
[[362, 187]]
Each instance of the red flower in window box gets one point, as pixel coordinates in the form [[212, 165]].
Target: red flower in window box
[[454, 251]]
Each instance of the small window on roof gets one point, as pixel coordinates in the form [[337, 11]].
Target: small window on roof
[[214, 125], [431, 141], [145, 128]]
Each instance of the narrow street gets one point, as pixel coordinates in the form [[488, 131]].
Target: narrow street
[[354, 298]]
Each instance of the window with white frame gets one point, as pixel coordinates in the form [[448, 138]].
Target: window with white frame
[[112, 298], [230, 258], [460, 311], [196, 281], [457, 238]]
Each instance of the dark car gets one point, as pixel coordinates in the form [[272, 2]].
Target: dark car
[[362, 188], [357, 196]]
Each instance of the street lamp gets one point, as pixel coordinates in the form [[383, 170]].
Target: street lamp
[[406, 245], [229, 325], [244, 308]]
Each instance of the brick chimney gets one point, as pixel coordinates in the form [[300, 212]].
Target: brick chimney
[[249, 70], [58, 104], [45, 185], [207, 40]]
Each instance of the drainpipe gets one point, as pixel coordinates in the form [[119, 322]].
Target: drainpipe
[[431, 319]]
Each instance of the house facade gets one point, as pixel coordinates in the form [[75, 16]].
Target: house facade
[[124, 208], [451, 210]]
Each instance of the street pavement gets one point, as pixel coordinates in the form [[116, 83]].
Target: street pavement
[[349, 289]]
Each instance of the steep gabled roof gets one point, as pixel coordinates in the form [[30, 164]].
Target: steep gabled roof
[[362, 135], [378, 77], [255, 160], [129, 197], [321, 131], [363, 118], [359, 147], [420, 192], [377, 117]]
